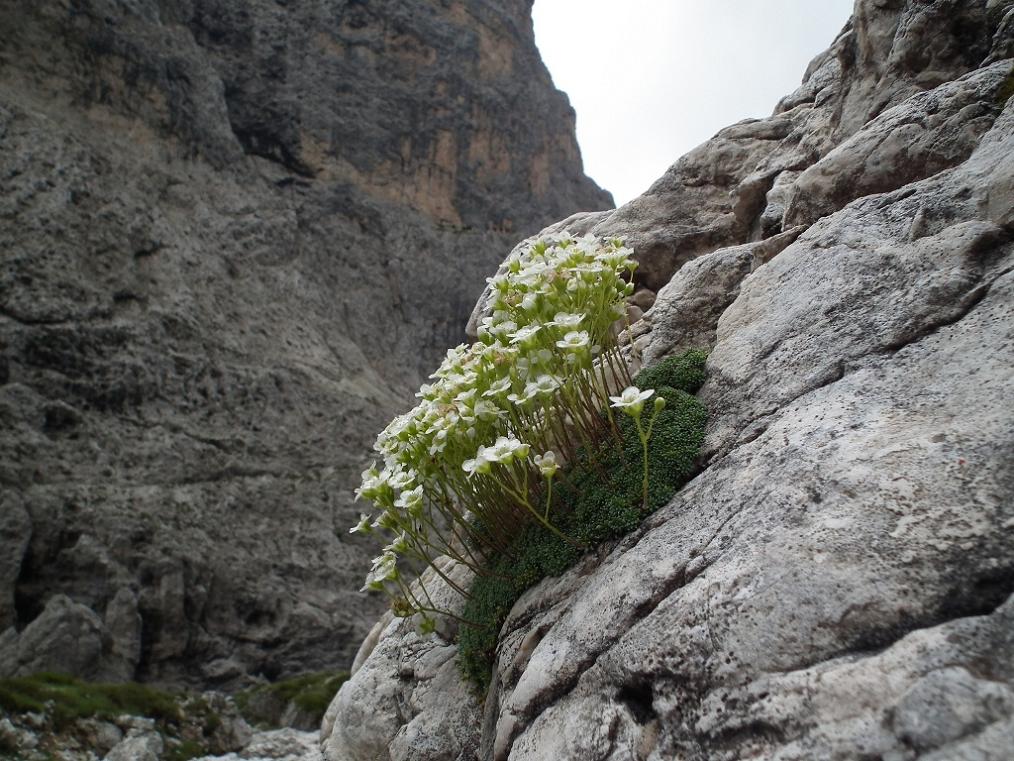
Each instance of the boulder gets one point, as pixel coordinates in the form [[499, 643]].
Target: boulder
[[67, 638], [687, 310], [142, 746], [407, 701], [850, 524]]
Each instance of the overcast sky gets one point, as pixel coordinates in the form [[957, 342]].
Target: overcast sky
[[651, 79]]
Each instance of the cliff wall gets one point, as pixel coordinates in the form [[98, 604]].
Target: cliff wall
[[233, 235]]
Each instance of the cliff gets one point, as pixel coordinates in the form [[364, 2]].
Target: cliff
[[234, 236], [836, 581]]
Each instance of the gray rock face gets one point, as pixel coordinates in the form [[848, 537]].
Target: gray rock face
[[407, 701], [276, 745], [688, 308], [235, 234], [146, 746], [837, 581], [66, 637], [15, 533], [921, 136]]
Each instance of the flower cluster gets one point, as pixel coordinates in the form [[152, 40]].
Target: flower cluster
[[471, 464]]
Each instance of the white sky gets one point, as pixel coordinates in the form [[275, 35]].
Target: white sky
[[651, 79]]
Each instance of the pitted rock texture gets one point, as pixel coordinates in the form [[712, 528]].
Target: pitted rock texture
[[407, 700], [235, 235], [837, 581]]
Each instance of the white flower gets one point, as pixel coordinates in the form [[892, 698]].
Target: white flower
[[387, 520], [477, 465], [385, 568], [631, 401], [525, 333], [372, 485], [425, 390], [531, 391], [363, 527], [373, 584], [505, 449], [565, 320], [487, 411], [546, 463], [575, 340], [411, 501], [400, 479], [504, 328], [519, 398], [499, 387], [544, 384]]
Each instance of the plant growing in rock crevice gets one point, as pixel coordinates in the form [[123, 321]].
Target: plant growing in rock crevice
[[593, 510], [488, 455]]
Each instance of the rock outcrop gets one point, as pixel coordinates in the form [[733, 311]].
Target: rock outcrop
[[234, 235], [837, 580]]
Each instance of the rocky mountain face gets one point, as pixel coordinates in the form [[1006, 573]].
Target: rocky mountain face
[[837, 580], [233, 234]]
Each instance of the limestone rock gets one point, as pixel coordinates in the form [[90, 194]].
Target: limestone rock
[[231, 731], [921, 136], [643, 298], [16, 738], [687, 310], [275, 745], [407, 701], [842, 527], [143, 746], [66, 638], [124, 624], [237, 233], [836, 582], [15, 533], [99, 736], [893, 270]]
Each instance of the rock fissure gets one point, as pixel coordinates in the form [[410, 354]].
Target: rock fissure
[[680, 579], [969, 301]]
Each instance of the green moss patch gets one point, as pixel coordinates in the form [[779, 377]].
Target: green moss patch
[[310, 693], [185, 721], [590, 511], [66, 699]]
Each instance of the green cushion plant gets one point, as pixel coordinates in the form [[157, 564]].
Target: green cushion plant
[[592, 510]]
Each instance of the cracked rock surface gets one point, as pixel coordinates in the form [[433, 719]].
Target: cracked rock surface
[[837, 582]]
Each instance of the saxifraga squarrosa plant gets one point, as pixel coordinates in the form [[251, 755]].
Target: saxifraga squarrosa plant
[[531, 445], [590, 509]]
